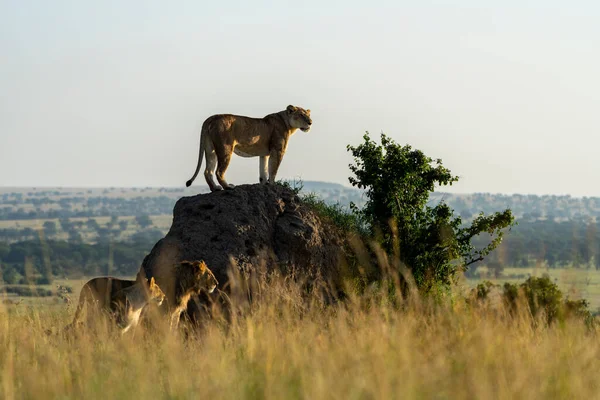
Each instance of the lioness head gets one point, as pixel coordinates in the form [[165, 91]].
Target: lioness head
[[299, 118], [199, 277], [156, 294]]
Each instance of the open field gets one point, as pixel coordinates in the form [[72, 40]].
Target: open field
[[160, 222], [284, 346], [573, 282], [54, 300], [86, 192]]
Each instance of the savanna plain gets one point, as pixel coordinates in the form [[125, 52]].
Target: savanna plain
[[287, 343]]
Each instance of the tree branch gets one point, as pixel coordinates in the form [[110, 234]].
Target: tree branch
[[474, 261]]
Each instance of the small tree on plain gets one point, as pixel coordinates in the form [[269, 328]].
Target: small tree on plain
[[123, 224], [144, 221], [50, 228], [430, 241]]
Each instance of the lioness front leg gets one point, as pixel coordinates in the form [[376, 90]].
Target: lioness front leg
[[274, 162], [263, 171]]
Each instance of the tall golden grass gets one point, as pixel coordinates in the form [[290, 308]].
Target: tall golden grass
[[288, 345]]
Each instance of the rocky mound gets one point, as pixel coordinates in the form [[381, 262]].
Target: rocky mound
[[252, 226]]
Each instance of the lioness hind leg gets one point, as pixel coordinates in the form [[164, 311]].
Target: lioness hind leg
[[211, 165], [224, 158]]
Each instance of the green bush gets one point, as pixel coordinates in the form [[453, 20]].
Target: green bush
[[44, 280], [541, 296], [483, 289], [430, 241], [11, 276]]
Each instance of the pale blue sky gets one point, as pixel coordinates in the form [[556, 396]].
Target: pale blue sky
[[113, 93]]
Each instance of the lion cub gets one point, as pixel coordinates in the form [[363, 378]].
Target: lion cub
[[121, 299]]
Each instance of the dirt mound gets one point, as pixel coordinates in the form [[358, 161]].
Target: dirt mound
[[251, 226]]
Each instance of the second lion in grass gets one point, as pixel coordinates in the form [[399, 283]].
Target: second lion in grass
[[180, 282], [119, 299]]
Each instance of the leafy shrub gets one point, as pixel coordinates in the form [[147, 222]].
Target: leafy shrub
[[483, 289], [43, 280], [541, 296], [144, 221], [11, 276], [430, 241]]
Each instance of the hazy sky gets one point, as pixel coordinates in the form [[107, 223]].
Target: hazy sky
[[113, 93]]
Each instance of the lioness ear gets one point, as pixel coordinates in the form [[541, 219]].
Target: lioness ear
[[291, 108], [152, 282], [308, 112]]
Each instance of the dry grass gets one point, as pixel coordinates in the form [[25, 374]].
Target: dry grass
[[285, 346]]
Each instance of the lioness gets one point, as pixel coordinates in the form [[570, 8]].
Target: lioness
[[267, 138], [122, 299], [180, 282], [192, 278]]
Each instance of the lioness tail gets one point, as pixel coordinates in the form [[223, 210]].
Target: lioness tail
[[200, 157]]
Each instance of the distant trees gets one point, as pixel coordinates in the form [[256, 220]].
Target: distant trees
[[11, 207], [465, 213], [557, 244], [92, 224], [549, 231], [50, 228], [65, 224], [146, 236], [74, 236], [73, 259], [113, 221], [104, 234], [61, 204], [123, 224], [144, 221]]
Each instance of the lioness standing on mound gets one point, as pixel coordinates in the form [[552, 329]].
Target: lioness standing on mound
[[267, 138]]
